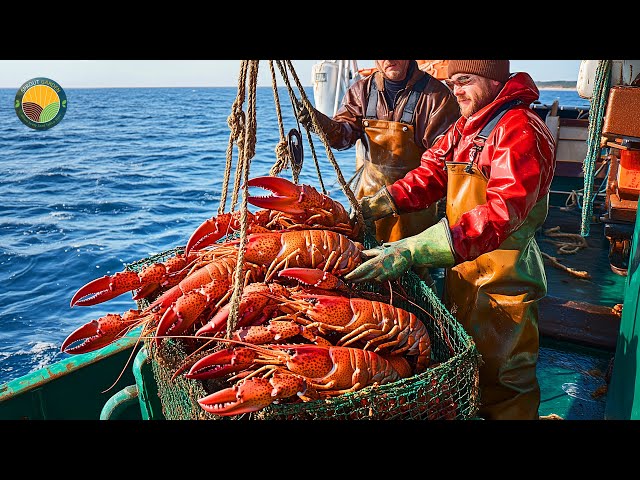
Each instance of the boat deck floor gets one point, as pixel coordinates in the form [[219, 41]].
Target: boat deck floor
[[578, 325]]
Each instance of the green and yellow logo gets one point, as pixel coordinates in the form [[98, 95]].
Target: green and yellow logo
[[40, 103]]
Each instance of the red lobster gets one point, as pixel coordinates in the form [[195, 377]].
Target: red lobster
[[182, 305], [292, 207], [146, 281], [274, 250], [375, 325], [283, 371]]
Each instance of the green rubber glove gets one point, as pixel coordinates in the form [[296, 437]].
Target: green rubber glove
[[431, 248]]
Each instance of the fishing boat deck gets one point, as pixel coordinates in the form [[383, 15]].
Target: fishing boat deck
[[578, 324], [577, 321]]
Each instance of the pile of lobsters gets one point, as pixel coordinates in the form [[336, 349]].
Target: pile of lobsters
[[300, 333]]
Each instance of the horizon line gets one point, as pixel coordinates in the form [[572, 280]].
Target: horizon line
[[261, 86]]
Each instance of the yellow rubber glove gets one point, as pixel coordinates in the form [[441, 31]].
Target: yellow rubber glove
[[376, 206], [431, 248]]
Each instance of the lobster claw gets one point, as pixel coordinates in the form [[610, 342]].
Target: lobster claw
[[99, 333], [212, 230], [145, 282], [253, 394], [314, 277], [181, 314], [220, 363], [287, 196], [105, 288]]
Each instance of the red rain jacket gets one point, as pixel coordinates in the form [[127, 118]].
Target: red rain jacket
[[518, 160]]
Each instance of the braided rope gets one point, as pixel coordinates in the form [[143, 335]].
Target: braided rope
[[297, 168], [244, 159], [345, 187], [283, 155], [236, 122], [309, 139], [596, 118]]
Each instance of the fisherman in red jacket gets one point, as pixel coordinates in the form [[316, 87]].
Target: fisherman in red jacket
[[495, 167], [391, 116]]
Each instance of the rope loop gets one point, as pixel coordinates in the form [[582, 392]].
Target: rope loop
[[283, 158]]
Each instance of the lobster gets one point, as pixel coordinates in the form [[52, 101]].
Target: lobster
[[210, 281], [292, 207], [105, 330], [281, 372], [274, 250], [371, 323], [146, 282]]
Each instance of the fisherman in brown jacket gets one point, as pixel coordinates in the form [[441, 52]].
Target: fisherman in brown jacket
[[392, 116]]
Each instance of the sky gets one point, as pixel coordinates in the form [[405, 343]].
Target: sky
[[203, 73]]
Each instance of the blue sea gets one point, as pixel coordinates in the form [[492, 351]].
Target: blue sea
[[128, 173]]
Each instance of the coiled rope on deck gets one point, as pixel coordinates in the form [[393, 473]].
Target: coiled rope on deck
[[597, 112], [565, 243]]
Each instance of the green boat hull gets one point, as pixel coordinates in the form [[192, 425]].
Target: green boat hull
[[114, 383]]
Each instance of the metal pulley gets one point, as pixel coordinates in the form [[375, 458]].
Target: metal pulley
[[294, 141]]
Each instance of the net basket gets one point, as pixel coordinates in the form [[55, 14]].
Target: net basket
[[447, 389]]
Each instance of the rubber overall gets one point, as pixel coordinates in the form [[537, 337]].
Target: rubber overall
[[495, 297], [386, 154]]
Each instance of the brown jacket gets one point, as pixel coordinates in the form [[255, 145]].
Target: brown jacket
[[434, 113]]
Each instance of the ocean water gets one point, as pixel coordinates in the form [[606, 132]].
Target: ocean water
[[126, 174]]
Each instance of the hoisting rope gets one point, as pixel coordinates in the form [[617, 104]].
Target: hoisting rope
[[283, 155], [296, 169], [597, 112], [283, 72], [314, 121], [243, 133]]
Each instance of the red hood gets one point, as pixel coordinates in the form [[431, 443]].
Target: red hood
[[520, 86]]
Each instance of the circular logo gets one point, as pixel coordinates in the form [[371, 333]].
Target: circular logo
[[40, 103]]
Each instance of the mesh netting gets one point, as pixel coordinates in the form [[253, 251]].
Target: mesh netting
[[448, 389]]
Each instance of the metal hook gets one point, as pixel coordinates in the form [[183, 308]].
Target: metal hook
[[294, 139]]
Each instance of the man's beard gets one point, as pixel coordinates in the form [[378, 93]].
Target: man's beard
[[477, 103]]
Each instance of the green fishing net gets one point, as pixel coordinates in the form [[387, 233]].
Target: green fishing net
[[447, 389]]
